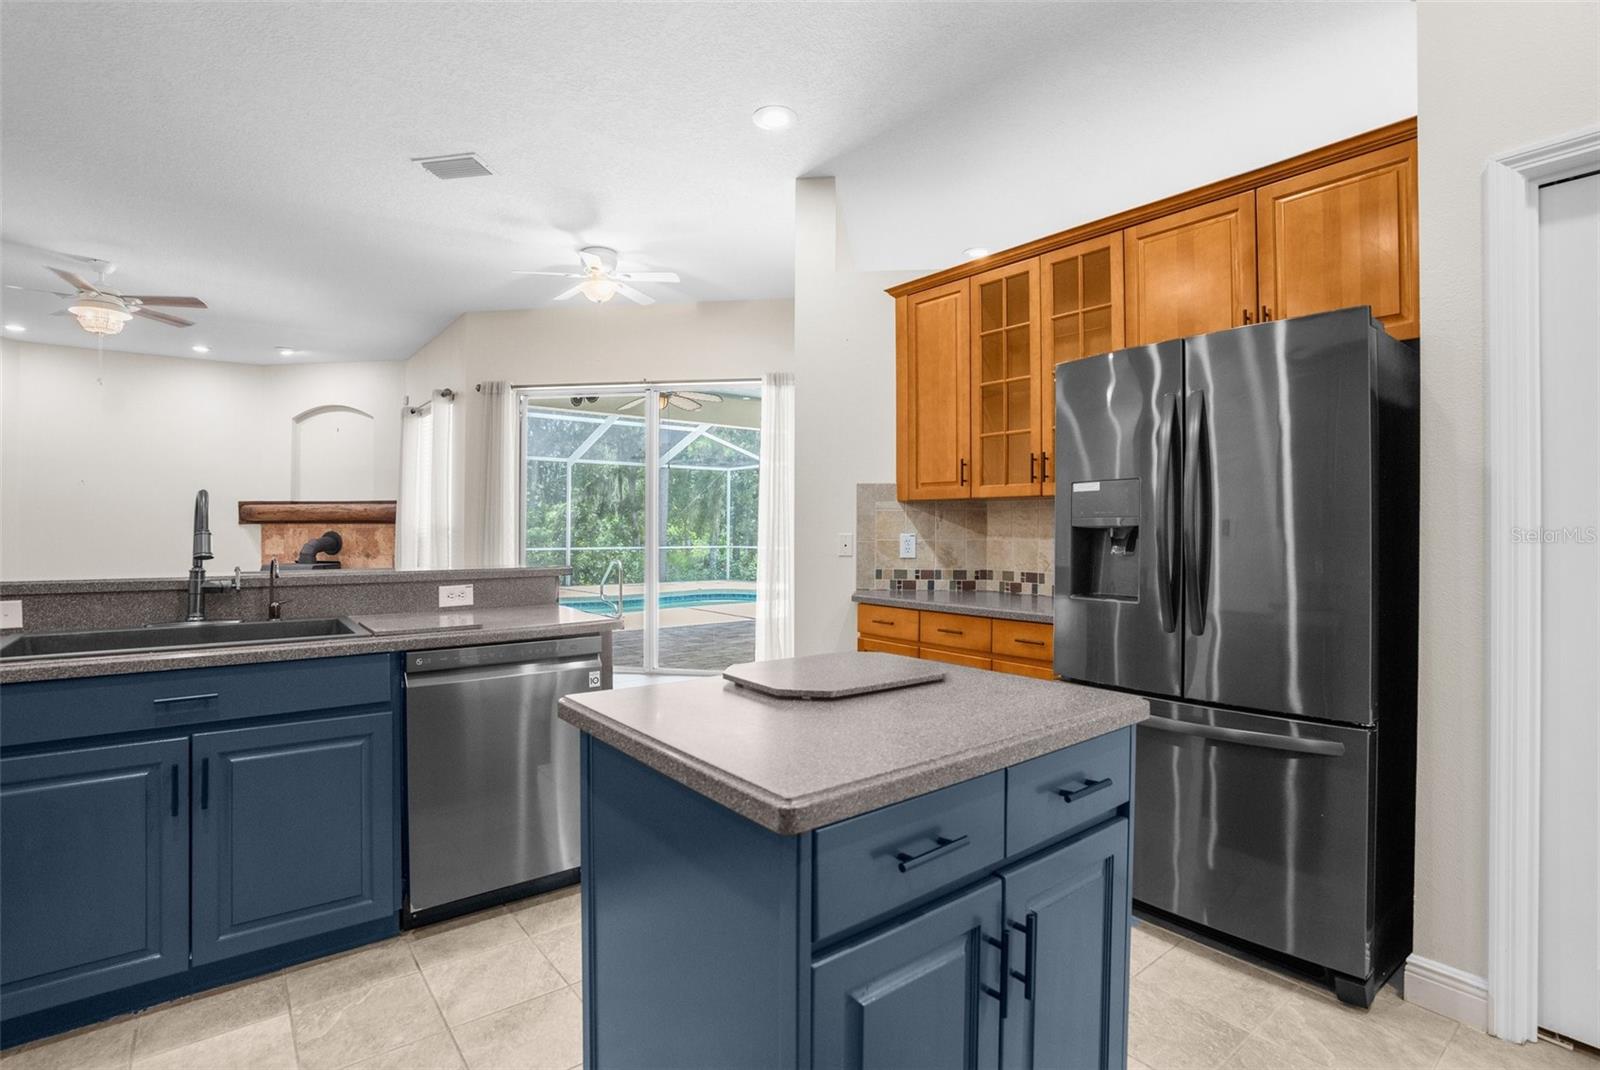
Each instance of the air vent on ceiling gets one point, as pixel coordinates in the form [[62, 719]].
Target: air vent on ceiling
[[456, 165]]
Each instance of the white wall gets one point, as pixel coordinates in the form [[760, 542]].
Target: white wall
[[584, 343], [98, 479], [844, 409], [1491, 77]]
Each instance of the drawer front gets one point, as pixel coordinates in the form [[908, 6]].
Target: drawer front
[[1070, 789], [887, 622], [100, 705], [1025, 668], [956, 631], [1024, 639], [886, 646], [870, 865], [952, 657]]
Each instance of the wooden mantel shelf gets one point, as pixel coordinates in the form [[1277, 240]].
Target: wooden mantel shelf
[[364, 512]]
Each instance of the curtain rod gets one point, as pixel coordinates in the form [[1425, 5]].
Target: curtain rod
[[446, 393], [630, 383]]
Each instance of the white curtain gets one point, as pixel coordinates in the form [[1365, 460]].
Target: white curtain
[[499, 547], [424, 521], [775, 520]]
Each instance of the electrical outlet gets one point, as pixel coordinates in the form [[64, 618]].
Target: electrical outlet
[[908, 545], [11, 613], [455, 597], [846, 544]]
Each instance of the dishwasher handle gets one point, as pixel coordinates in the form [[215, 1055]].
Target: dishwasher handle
[[486, 673]]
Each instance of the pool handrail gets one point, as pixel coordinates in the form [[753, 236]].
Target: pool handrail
[[616, 607]]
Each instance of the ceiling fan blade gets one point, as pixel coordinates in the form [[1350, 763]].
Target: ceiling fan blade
[[688, 404], [698, 395], [564, 294], [553, 274], [171, 302], [647, 276], [634, 404], [634, 295], [162, 317], [73, 279]]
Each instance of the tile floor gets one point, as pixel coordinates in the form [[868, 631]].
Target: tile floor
[[499, 991]]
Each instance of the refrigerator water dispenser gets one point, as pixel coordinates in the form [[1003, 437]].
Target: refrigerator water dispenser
[[1105, 539]]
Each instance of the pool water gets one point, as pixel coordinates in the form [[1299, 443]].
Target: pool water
[[633, 603]]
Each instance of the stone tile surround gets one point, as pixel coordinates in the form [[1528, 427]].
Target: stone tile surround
[[1005, 545]]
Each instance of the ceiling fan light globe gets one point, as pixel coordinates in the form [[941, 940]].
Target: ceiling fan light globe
[[100, 316], [598, 290]]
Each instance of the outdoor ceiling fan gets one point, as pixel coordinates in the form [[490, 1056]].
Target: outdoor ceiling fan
[[601, 279], [100, 310], [687, 400]]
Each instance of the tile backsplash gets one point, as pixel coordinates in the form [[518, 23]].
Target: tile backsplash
[[995, 545]]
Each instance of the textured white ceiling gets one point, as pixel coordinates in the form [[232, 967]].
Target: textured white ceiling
[[257, 155]]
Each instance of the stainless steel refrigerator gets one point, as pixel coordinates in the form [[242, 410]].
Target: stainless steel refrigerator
[[1236, 538]]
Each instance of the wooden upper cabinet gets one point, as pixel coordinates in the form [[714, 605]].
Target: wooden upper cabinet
[[934, 382], [1343, 235], [1005, 381], [1192, 272], [1081, 315]]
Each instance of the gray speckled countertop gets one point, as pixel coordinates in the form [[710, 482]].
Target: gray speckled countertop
[[792, 765], [1039, 608], [389, 632]]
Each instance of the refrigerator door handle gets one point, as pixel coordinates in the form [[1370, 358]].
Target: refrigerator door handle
[[1167, 535], [1330, 748], [1196, 514]]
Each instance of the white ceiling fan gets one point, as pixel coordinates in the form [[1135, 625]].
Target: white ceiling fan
[[101, 310], [601, 281], [687, 400]]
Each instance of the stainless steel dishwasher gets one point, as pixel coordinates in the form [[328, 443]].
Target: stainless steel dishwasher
[[492, 786]]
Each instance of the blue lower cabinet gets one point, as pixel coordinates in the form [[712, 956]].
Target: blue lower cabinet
[[294, 831], [94, 888], [1067, 915], [922, 993]]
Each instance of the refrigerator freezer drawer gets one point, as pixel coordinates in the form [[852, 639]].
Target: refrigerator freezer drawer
[[1257, 827]]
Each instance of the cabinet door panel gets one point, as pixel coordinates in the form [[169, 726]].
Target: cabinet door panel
[[1192, 272], [294, 832], [1081, 314], [1075, 899], [1343, 235], [1005, 382], [933, 411], [912, 996], [95, 882]]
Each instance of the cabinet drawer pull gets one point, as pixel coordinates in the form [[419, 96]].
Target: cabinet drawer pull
[[1006, 972], [885, 623], [1266, 313], [1089, 788], [1033, 462], [205, 783], [209, 696], [963, 471], [950, 631], [174, 791], [1029, 642], [1246, 313], [1044, 466], [943, 845], [1030, 956]]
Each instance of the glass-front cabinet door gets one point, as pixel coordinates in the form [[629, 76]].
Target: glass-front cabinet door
[[1005, 382], [1081, 316]]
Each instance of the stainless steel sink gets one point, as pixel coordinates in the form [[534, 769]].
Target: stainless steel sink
[[181, 636]]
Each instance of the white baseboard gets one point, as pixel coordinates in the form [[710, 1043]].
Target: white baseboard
[[1448, 991]]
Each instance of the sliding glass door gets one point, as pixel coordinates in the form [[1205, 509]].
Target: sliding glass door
[[658, 485]]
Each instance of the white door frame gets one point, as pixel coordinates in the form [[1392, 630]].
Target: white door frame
[[1515, 644]]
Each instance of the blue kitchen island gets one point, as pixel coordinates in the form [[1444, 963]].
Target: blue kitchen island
[[934, 876]]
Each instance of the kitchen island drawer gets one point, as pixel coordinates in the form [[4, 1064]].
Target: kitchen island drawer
[[870, 865], [887, 622], [1071, 789], [957, 632]]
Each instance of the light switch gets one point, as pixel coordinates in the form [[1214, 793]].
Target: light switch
[[11, 613], [908, 545], [846, 545]]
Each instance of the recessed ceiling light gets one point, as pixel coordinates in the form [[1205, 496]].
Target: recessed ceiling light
[[19, 328], [773, 117], [977, 252], [201, 349], [285, 351]]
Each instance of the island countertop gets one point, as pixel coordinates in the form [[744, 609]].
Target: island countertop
[[793, 765]]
